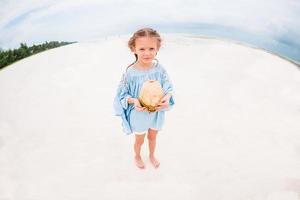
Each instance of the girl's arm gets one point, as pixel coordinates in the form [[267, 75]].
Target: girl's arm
[[121, 99], [137, 104], [164, 102], [168, 95], [132, 100], [167, 101]]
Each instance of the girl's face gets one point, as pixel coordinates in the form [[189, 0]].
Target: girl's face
[[146, 49]]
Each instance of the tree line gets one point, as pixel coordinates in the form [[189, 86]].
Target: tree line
[[8, 57]]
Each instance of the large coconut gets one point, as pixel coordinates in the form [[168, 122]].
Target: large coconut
[[151, 94]]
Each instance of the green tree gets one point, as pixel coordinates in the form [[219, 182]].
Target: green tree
[[8, 57]]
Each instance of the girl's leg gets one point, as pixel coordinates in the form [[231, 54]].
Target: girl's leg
[[139, 140], [152, 143]]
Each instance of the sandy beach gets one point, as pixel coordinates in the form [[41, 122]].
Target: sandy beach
[[234, 132]]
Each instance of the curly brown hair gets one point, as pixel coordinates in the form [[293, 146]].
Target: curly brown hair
[[144, 32]]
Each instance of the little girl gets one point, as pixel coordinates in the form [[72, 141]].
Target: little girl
[[136, 119]]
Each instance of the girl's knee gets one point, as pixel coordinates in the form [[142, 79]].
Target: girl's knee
[[139, 139], [151, 135]]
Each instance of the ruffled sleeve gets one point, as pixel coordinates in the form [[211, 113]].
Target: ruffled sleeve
[[168, 87], [121, 99], [121, 105]]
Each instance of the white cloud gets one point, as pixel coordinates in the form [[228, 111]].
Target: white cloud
[[84, 19]]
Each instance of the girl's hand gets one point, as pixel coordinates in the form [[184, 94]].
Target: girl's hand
[[164, 102], [138, 107]]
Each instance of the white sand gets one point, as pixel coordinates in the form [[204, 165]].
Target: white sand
[[234, 133]]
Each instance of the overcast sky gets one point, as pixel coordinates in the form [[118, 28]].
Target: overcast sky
[[35, 21]]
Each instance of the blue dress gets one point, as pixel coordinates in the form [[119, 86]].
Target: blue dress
[[130, 86]]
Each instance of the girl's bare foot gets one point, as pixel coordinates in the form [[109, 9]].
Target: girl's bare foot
[[154, 162], [139, 162]]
